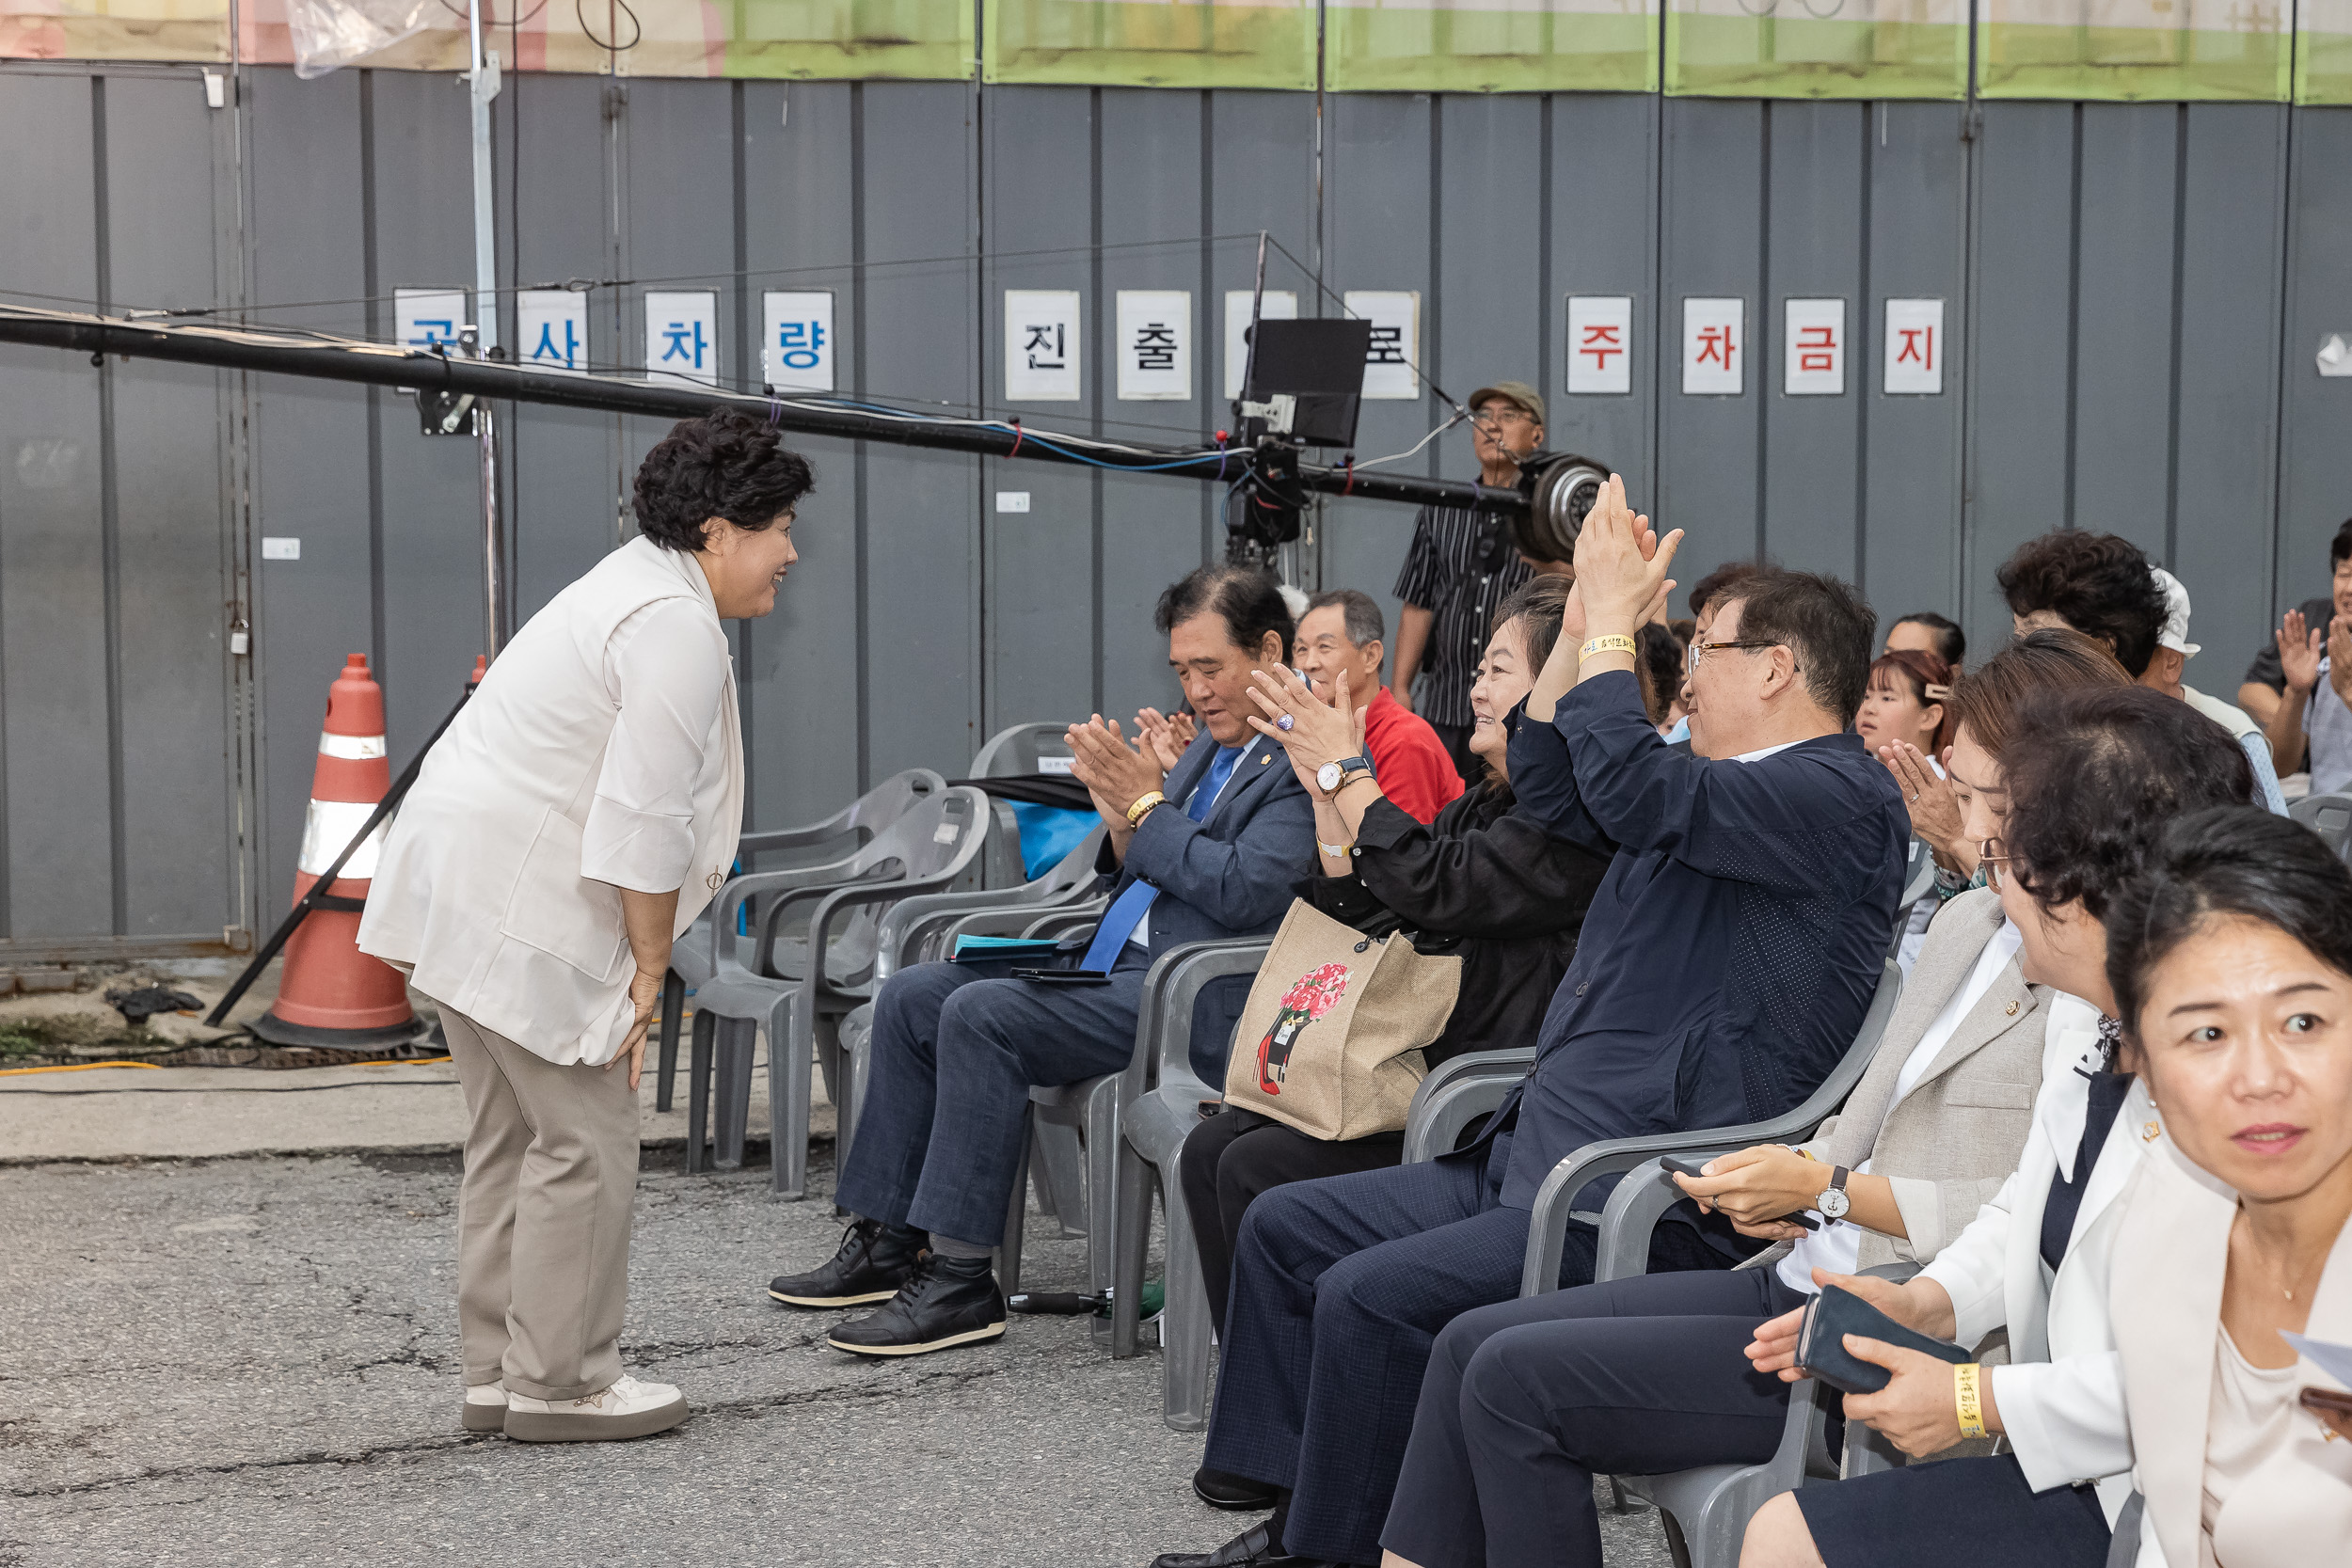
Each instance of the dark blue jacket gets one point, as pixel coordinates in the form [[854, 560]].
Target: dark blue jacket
[[1232, 875], [1733, 945]]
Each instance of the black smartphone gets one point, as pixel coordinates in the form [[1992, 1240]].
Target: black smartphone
[[1684, 1168], [1063, 976]]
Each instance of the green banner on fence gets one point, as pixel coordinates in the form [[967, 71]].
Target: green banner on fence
[[856, 39], [1491, 45], [1150, 43], [2323, 52], [1818, 47], [2130, 51]]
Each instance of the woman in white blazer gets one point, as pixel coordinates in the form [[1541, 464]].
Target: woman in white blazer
[[2093, 778], [2233, 962], [570, 824]]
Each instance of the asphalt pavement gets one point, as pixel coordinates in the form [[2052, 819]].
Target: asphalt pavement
[[254, 1361]]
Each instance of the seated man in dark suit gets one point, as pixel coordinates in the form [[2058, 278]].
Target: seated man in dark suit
[[1724, 967], [1211, 850]]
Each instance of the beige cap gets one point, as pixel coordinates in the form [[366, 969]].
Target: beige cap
[[1516, 392]]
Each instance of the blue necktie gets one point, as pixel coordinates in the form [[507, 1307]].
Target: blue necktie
[[1126, 912]]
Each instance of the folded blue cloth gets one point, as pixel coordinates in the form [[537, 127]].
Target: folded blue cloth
[[1048, 834]]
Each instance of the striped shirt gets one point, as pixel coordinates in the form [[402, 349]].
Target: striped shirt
[[1461, 565]]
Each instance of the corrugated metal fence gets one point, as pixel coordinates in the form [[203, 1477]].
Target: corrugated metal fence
[[2132, 296]]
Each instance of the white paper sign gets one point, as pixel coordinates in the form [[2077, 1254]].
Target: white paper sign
[[280, 547], [1915, 345], [1042, 346], [1714, 346], [1813, 351], [1280, 305], [682, 338], [424, 317], [796, 340], [1012, 501], [1600, 344], [552, 327], [1155, 345], [1393, 364]]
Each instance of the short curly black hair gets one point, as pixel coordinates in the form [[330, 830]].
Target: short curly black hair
[[2100, 585], [723, 464], [2095, 776]]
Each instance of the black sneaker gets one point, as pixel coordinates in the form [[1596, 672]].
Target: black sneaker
[[945, 1301], [874, 1261]]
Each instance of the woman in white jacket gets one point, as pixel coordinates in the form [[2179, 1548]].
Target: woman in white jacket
[[2233, 961], [2093, 778], [572, 822]]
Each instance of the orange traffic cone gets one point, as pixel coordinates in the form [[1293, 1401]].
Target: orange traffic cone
[[332, 993]]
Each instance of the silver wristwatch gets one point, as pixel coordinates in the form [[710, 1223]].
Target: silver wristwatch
[[1331, 775], [1832, 1202]]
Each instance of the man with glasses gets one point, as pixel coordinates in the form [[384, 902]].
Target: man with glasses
[[1462, 564], [1731, 952]]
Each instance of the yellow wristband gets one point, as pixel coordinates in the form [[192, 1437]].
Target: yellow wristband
[[1615, 642], [1967, 1400], [1134, 812]]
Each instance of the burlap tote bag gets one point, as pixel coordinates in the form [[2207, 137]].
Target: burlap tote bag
[[1330, 1042]]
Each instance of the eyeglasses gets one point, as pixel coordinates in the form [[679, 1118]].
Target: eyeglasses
[[1485, 417], [1699, 651], [1988, 858]]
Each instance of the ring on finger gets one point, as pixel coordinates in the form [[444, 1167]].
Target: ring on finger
[[1284, 722]]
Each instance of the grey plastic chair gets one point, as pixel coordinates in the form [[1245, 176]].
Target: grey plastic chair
[[1034, 747], [1918, 883], [1457, 1092], [1160, 1109], [2328, 815], [1547, 1233], [690, 956], [926, 927], [923, 851]]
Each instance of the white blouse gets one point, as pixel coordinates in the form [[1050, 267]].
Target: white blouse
[[667, 676], [2245, 1424]]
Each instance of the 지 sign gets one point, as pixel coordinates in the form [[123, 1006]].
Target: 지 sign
[[1714, 346], [1600, 344], [1915, 345]]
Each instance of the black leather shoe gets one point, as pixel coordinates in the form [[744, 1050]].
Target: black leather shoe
[[1252, 1548], [874, 1261], [1235, 1494], [945, 1301]]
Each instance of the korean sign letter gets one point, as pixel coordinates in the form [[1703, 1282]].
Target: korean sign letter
[[1042, 349], [682, 338]]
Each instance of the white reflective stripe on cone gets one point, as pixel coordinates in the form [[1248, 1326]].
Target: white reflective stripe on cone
[[354, 748], [330, 825]]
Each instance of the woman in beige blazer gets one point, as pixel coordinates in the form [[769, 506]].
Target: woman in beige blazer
[[2233, 962], [1646, 1374], [570, 824]]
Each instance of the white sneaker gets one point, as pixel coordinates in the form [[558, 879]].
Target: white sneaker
[[628, 1409], [485, 1407]]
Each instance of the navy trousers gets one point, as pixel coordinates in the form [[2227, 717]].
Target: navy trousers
[[954, 1054], [1524, 1403], [1339, 1286]]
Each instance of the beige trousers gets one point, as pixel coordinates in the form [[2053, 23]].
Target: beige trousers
[[543, 1216]]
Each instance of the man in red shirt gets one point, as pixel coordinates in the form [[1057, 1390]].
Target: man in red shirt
[[1342, 632]]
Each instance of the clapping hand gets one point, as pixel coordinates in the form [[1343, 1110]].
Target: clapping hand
[[1621, 563], [1166, 736], [1927, 796], [2298, 653], [1319, 732], [1114, 773], [2339, 656]]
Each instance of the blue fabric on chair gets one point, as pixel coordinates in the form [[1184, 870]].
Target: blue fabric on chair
[[1048, 834]]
